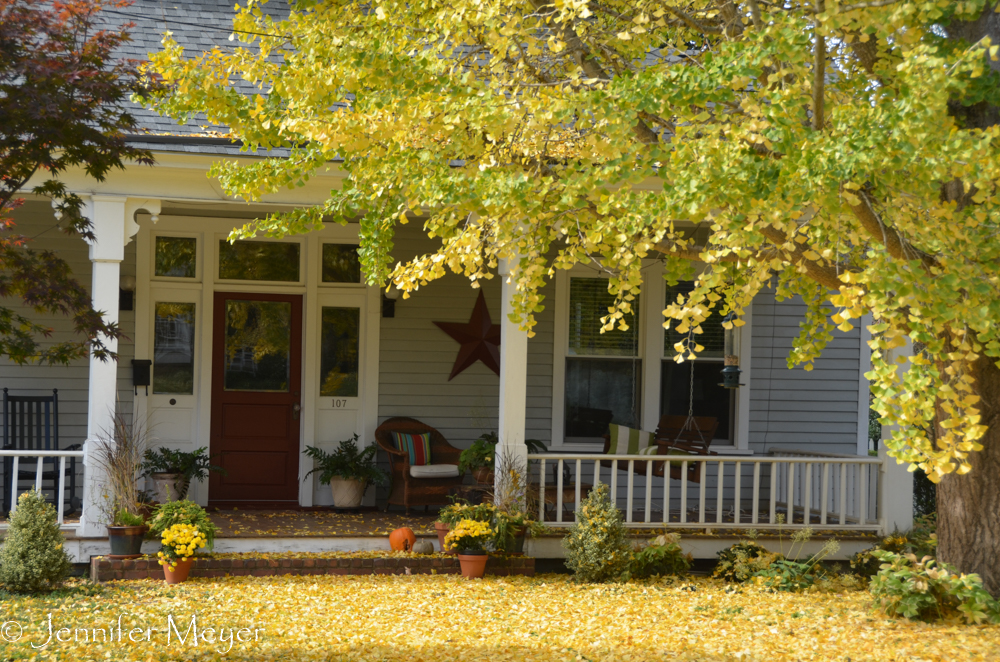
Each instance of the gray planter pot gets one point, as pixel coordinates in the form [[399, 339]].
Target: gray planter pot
[[126, 540], [169, 487]]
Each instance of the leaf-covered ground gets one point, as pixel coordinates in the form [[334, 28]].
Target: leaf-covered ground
[[441, 618]]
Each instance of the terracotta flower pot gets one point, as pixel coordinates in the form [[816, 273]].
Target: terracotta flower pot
[[179, 573], [126, 541], [347, 493], [442, 530], [473, 565], [483, 475]]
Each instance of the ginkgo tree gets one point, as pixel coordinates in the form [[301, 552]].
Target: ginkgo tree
[[846, 152]]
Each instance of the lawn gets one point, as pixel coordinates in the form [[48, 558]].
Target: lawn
[[443, 618]]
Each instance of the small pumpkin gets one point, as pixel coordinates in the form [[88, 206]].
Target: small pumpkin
[[423, 547], [401, 540]]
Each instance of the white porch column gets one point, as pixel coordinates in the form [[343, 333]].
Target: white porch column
[[897, 481], [513, 378], [113, 226]]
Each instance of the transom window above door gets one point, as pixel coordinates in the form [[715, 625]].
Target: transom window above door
[[274, 261], [341, 264], [175, 257]]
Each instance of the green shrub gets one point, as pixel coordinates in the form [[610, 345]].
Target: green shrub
[[865, 564], [921, 541], [597, 547], [32, 558], [923, 589], [788, 575], [792, 573], [740, 562], [182, 512], [923, 536], [663, 556]]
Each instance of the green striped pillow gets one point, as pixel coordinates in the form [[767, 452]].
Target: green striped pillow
[[627, 441]]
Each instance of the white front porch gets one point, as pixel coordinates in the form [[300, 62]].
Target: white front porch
[[404, 363]]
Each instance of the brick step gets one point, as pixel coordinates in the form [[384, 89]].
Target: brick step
[[103, 569]]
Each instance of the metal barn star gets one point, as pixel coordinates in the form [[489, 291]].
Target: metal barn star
[[479, 339]]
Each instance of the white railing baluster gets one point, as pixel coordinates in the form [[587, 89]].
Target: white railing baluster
[[576, 510], [843, 494], [631, 488], [826, 493], [756, 491], [61, 498], [718, 492], [703, 468], [649, 492], [736, 493], [597, 473], [773, 516], [790, 500], [559, 491], [614, 482], [807, 494], [862, 494], [39, 465], [541, 491], [684, 491], [13, 486], [666, 492]]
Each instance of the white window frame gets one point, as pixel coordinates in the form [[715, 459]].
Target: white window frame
[[560, 353], [651, 341]]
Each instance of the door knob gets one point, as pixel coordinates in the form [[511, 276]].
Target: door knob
[[296, 408]]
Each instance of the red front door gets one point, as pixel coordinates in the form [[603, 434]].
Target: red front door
[[256, 389]]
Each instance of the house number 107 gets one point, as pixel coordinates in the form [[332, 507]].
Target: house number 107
[[338, 403]]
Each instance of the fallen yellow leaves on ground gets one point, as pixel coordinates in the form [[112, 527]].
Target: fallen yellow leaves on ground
[[446, 618]]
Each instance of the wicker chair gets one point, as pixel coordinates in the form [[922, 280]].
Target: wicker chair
[[407, 490]]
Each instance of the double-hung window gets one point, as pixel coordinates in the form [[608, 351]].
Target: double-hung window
[[603, 371], [694, 386]]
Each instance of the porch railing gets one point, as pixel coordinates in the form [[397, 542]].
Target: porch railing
[[59, 481], [791, 490]]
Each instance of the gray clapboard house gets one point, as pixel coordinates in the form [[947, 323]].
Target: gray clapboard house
[[262, 347]]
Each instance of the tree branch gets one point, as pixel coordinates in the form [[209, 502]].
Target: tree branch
[[819, 73], [586, 61], [896, 246]]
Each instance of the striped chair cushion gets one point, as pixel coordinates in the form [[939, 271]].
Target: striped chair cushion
[[626, 441], [417, 446]]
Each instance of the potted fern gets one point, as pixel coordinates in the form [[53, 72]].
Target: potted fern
[[348, 470], [172, 471]]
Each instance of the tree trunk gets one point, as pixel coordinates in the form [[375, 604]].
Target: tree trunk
[[968, 506]]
